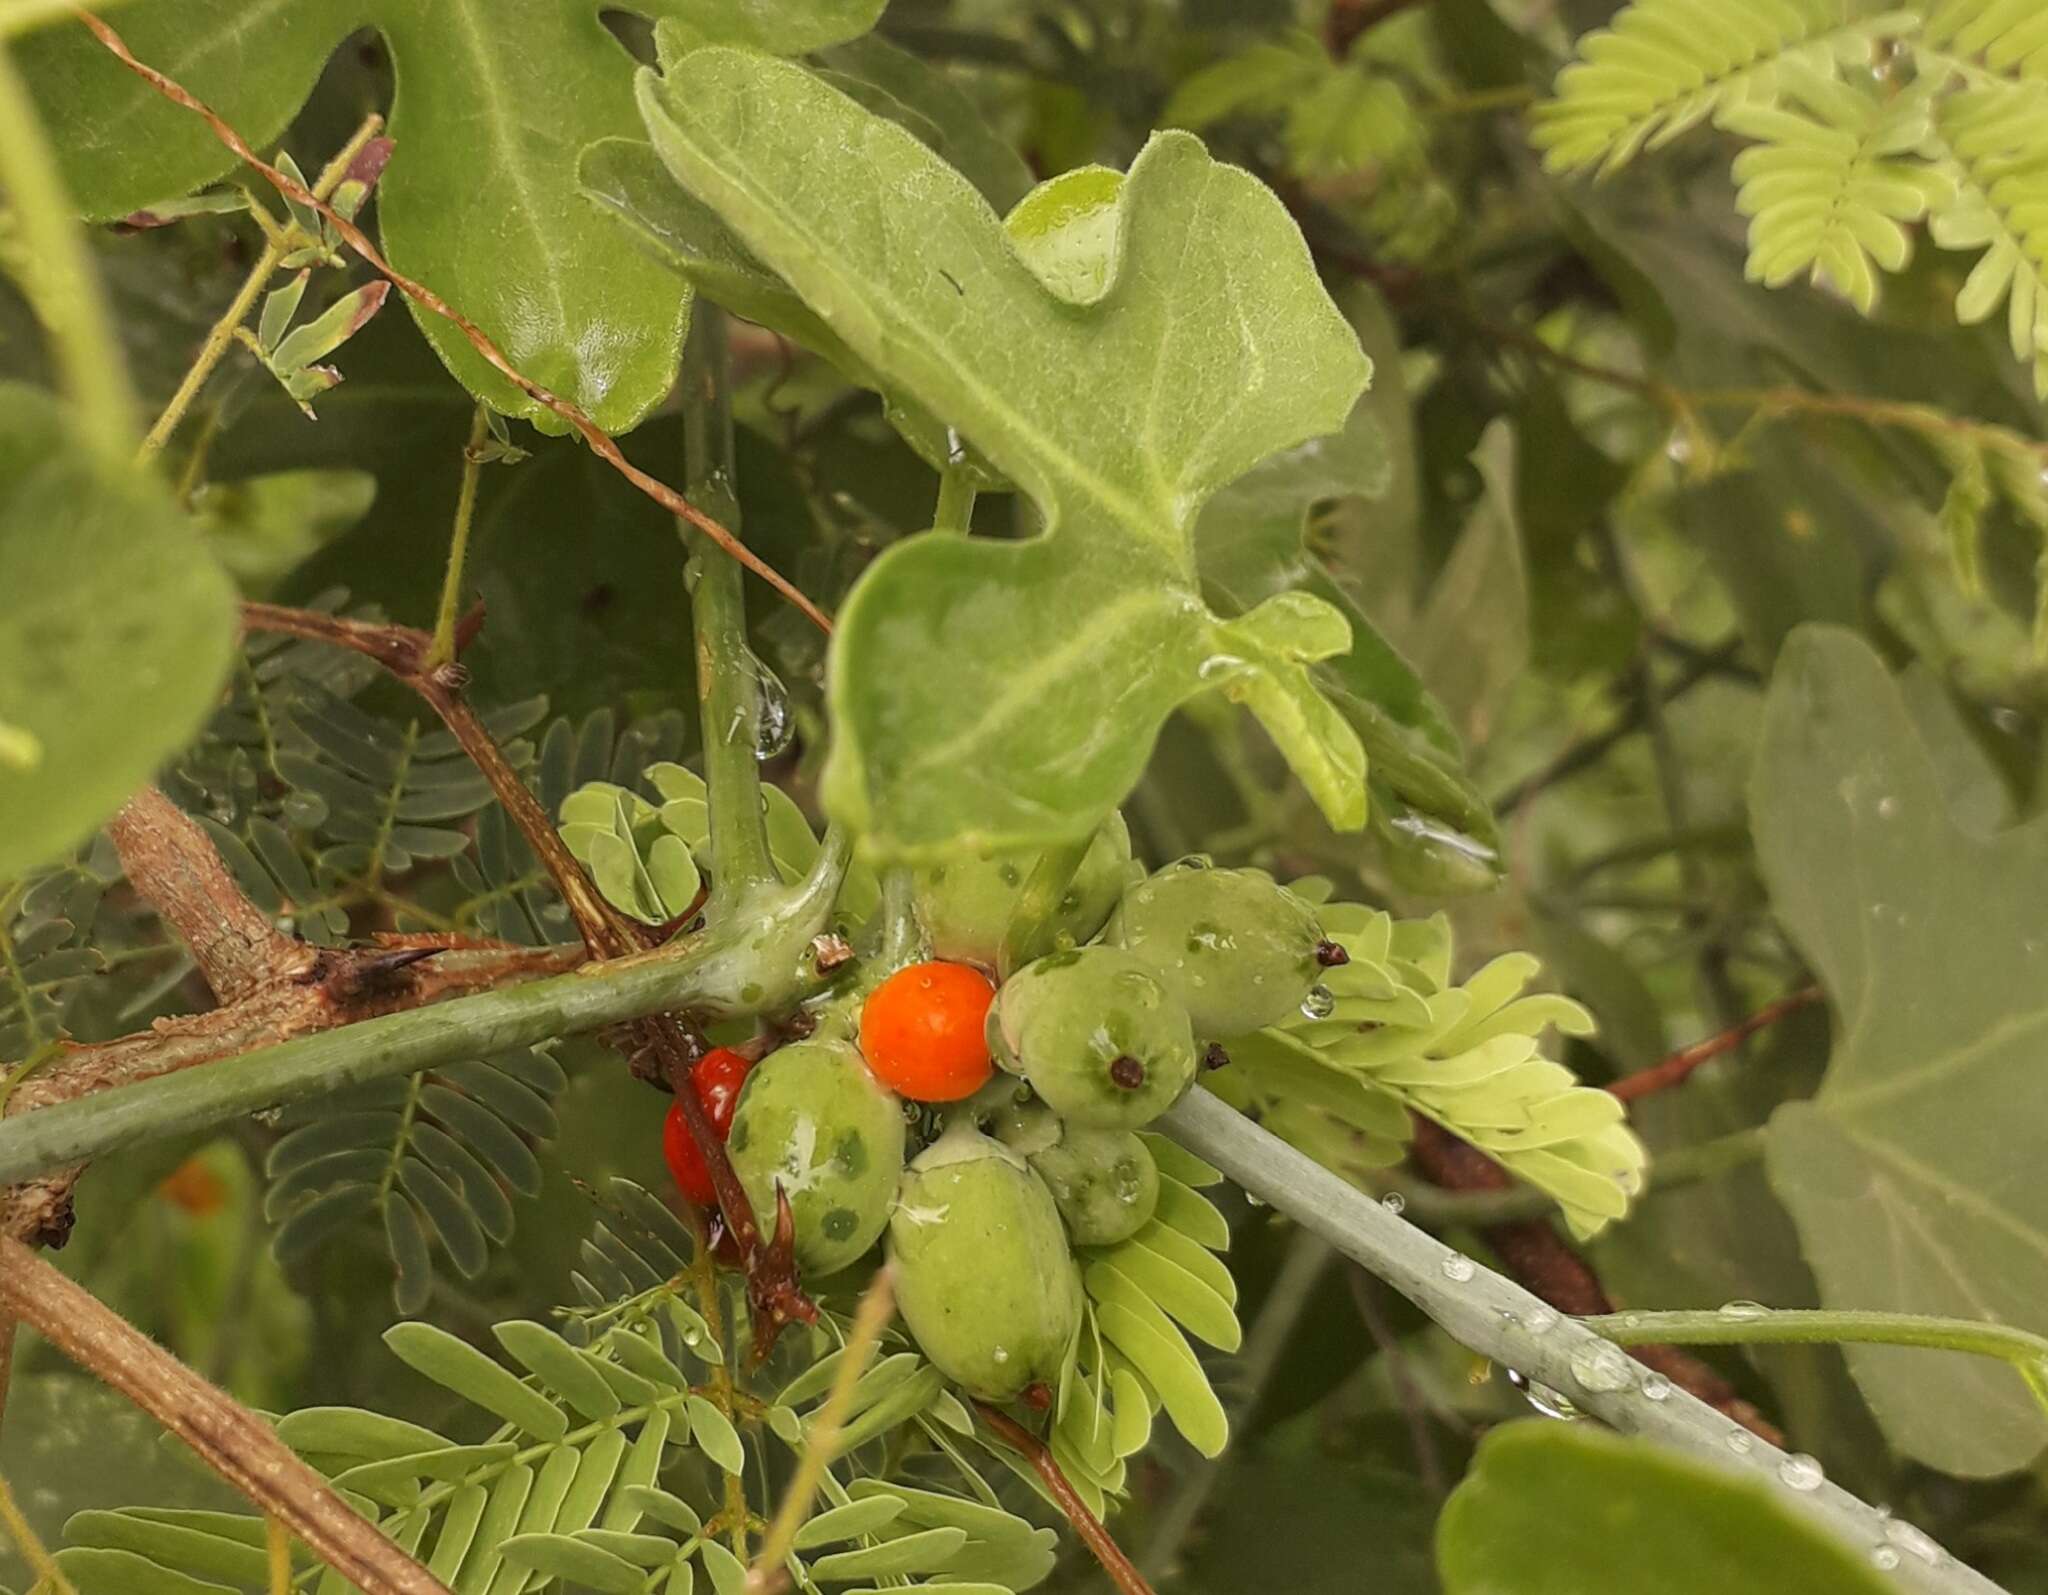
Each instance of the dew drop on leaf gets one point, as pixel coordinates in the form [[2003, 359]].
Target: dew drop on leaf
[[1656, 1387], [1800, 1472], [1459, 1269], [1744, 1310], [1741, 1442], [1320, 1003], [1546, 1401], [1602, 1367], [1394, 1202]]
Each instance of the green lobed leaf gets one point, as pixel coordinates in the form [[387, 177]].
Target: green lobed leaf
[[1214, 347], [116, 628], [1909, 1188]]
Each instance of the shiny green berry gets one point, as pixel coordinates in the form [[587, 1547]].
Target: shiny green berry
[[965, 905], [1238, 949], [984, 1278], [1104, 1181], [1097, 1033], [815, 1121]]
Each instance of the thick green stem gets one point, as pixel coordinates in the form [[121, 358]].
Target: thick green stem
[[955, 508], [1500, 1320], [729, 683], [741, 969], [58, 275], [442, 649], [1746, 1324]]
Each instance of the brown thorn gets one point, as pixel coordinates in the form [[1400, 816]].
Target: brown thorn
[[1331, 955], [600, 441], [1123, 1573]]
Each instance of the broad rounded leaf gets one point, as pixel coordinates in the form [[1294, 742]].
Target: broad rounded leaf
[[116, 628], [1911, 1189], [1554, 1510]]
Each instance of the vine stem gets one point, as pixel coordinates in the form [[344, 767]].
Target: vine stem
[[235, 1442], [1674, 1069], [1500, 1320], [221, 337], [59, 279], [49, 1576], [1123, 1573], [1802, 1326], [441, 651], [601, 442]]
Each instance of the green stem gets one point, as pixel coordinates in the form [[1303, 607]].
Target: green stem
[[221, 337], [740, 969], [1502, 1321], [59, 277], [16, 1526], [442, 649], [956, 501], [1029, 934], [728, 674], [1752, 1326]]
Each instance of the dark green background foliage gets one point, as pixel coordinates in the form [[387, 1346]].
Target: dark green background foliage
[[1668, 607]]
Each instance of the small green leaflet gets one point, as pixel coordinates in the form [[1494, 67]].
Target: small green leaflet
[[1909, 1188], [1006, 695]]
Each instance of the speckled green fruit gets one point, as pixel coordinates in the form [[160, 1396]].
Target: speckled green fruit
[[1098, 1035], [983, 1275], [1104, 1181], [1236, 947], [812, 1118], [965, 905]]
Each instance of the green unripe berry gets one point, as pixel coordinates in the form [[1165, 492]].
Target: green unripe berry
[[813, 1119], [984, 1278], [1238, 949], [965, 905], [1098, 1035], [1104, 1181]]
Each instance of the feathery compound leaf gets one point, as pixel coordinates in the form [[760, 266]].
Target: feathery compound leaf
[[1829, 183], [1996, 136], [2007, 35], [1665, 66]]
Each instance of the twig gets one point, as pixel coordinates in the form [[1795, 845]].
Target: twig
[[601, 442], [49, 1576], [1535, 1254], [1668, 1073], [279, 1541], [821, 1449], [442, 650], [233, 1441], [1122, 1573], [1429, 1462], [1504, 1322]]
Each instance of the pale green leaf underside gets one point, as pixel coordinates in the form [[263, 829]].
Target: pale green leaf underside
[[480, 199], [1933, 948], [1007, 695], [116, 627]]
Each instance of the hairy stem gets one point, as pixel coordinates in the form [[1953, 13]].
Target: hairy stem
[[441, 650], [235, 1442], [58, 274], [221, 337], [1500, 1320]]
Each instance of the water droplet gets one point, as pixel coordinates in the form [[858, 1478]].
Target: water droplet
[[1541, 1321], [1887, 808], [1884, 1558], [1394, 1202], [1914, 1543], [1656, 1387], [1320, 1003], [1632, 1320], [1744, 1310], [1550, 1403], [1459, 1268], [1800, 1472], [775, 727], [1741, 1442], [1602, 1367]]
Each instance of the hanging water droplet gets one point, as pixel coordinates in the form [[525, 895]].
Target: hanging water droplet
[[1884, 1558], [1602, 1367], [1800, 1472], [1394, 1202], [1541, 1321], [1320, 1003], [1459, 1269], [1744, 1310], [1550, 1403], [774, 725], [1741, 1442], [1914, 1543], [1656, 1387]]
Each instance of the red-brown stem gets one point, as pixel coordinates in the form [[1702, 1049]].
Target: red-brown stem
[[235, 1442], [1535, 1254], [1663, 1076], [600, 441], [1123, 1573]]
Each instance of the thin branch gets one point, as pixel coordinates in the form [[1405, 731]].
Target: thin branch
[[235, 1442], [1122, 1572], [1674, 1069], [1533, 1252], [1429, 1462], [1504, 1322], [49, 1576], [601, 442], [443, 649]]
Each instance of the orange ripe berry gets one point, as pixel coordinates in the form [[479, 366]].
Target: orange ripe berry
[[922, 1032]]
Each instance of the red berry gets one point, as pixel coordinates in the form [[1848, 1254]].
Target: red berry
[[922, 1031], [717, 1076]]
